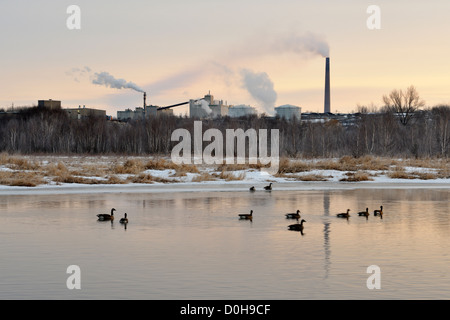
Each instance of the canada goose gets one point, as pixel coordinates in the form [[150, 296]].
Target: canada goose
[[378, 212], [364, 213], [293, 215], [252, 189], [107, 217], [246, 216], [297, 226], [124, 219], [344, 215], [269, 187]]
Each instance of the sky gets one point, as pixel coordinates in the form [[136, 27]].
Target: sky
[[179, 50]]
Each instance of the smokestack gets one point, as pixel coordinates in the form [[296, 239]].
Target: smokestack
[[327, 87], [145, 99]]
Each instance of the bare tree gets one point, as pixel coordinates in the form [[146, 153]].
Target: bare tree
[[404, 104]]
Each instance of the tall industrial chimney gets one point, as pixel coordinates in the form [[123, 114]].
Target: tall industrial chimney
[[327, 87], [145, 99]]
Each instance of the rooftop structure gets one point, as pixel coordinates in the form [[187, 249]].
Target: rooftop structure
[[289, 112]]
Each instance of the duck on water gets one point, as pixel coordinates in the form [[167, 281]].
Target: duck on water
[[106, 217]]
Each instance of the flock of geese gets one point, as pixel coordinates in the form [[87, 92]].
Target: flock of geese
[[110, 217], [376, 213], [299, 225], [267, 188], [295, 227]]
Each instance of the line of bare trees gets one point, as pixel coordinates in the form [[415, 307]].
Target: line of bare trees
[[426, 134]]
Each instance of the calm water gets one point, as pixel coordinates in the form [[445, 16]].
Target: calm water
[[191, 245]]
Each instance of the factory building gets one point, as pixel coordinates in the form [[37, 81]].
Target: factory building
[[140, 113], [241, 111], [208, 108], [83, 112], [49, 104], [289, 112]]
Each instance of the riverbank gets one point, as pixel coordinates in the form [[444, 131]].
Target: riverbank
[[83, 174]]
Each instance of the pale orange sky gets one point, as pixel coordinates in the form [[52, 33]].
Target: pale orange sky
[[201, 45]]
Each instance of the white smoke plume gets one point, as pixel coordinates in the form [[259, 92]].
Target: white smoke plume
[[108, 80], [304, 44], [77, 73], [102, 78], [205, 105], [261, 88]]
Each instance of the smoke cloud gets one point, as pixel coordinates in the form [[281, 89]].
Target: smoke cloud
[[261, 88], [102, 79], [205, 106], [108, 80], [305, 44], [77, 73]]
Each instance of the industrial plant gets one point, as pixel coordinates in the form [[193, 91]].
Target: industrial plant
[[209, 108], [202, 108]]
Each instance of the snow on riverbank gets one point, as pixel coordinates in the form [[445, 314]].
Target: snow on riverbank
[[139, 174], [253, 178]]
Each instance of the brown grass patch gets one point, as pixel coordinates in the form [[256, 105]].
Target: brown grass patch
[[68, 178], [18, 163], [356, 177], [401, 173], [312, 177], [230, 176], [288, 166], [205, 176], [114, 180], [240, 167], [160, 164], [148, 179], [21, 179], [130, 166], [59, 169]]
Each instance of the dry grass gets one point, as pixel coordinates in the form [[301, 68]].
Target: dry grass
[[148, 179], [130, 166], [114, 180], [21, 179], [240, 167], [356, 177], [312, 177], [230, 176], [33, 171], [76, 180], [288, 166], [18, 163], [345, 163], [205, 176], [401, 173]]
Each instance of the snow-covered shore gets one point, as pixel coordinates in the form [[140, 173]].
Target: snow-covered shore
[[252, 178], [112, 174]]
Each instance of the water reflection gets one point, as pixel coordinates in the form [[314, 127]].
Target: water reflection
[[326, 233], [196, 239]]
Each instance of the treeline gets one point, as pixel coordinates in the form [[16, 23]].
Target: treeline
[[35, 130]]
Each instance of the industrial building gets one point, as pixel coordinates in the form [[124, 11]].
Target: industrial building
[[208, 108], [141, 113], [241, 111], [289, 112], [49, 104], [83, 112]]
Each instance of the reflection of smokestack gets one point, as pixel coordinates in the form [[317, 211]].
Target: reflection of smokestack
[[145, 99], [327, 87]]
